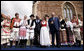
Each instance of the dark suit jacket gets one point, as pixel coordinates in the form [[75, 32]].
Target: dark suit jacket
[[55, 25], [38, 25]]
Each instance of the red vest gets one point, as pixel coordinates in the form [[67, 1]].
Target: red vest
[[75, 20], [44, 23], [13, 21]]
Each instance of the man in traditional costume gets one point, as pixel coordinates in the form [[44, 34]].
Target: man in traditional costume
[[30, 29], [77, 24], [15, 25]]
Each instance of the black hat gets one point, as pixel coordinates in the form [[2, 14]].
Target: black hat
[[46, 15], [32, 15], [16, 14]]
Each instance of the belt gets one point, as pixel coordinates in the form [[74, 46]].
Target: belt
[[16, 26], [43, 26], [5, 26]]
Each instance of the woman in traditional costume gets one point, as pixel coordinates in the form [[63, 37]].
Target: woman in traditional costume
[[44, 34], [63, 36], [69, 31], [5, 31]]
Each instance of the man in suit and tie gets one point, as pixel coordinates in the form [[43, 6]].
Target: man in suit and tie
[[54, 26], [37, 31]]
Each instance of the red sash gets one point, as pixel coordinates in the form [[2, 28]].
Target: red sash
[[5, 31], [75, 20]]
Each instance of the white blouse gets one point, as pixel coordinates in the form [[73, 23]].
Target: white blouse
[[23, 23], [69, 24]]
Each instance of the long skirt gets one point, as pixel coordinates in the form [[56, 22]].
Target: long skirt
[[44, 37], [70, 38], [5, 36], [63, 36]]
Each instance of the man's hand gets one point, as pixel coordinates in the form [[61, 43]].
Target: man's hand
[[59, 28], [77, 26], [30, 28], [5, 21], [26, 25], [51, 22], [11, 30]]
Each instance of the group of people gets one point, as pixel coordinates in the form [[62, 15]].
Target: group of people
[[37, 31]]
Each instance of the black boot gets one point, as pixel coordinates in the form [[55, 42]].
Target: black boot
[[20, 43], [16, 44], [79, 43], [31, 43], [25, 42], [11, 43], [5, 45], [76, 43]]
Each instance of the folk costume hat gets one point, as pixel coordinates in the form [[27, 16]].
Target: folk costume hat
[[32, 15]]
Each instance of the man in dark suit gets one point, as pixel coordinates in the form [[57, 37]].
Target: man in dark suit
[[37, 31], [54, 26]]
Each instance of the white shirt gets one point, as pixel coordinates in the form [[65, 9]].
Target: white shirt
[[74, 24], [69, 24], [31, 27]]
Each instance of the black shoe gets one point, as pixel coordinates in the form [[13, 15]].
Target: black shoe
[[69, 45], [21, 46], [75, 44], [79, 43], [30, 46], [52, 46], [58, 46], [5, 45], [11, 43], [16, 44]]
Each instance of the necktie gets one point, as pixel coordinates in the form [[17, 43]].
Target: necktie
[[53, 18]]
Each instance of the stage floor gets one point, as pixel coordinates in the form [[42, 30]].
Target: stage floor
[[47, 48]]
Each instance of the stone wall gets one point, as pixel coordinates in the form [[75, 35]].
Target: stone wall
[[47, 7]]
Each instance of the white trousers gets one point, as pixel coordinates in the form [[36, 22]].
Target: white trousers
[[29, 35], [15, 34], [77, 35]]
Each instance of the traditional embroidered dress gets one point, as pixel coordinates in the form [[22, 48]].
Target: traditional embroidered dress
[[69, 29], [23, 29], [5, 31], [22, 33], [63, 36], [44, 34]]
